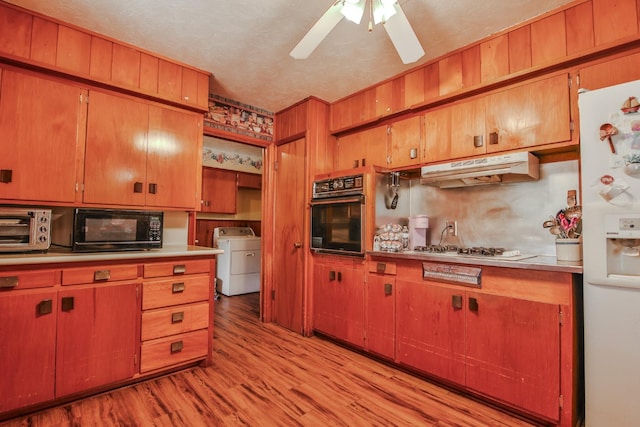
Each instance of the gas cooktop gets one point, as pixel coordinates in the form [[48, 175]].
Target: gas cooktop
[[472, 252]]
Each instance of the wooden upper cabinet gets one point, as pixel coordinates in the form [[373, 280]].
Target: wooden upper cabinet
[[42, 130], [437, 135], [174, 157], [450, 72], [219, 190], [520, 49], [149, 73], [579, 26], [292, 121], [116, 150], [614, 20], [494, 58], [73, 51], [101, 58], [364, 148], [15, 32], [531, 114], [169, 80], [548, 39], [125, 68], [620, 70], [249, 180], [468, 131], [44, 39], [405, 142]]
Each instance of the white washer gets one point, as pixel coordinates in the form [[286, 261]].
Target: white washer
[[238, 267]]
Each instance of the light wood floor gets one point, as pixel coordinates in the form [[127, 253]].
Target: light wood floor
[[264, 375]]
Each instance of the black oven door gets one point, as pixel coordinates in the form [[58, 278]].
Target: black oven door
[[337, 225]]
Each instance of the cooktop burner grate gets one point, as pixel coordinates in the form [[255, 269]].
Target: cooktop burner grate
[[474, 250]]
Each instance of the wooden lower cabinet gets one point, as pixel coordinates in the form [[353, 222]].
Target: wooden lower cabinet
[[28, 347], [338, 299], [513, 341], [176, 316], [84, 327], [380, 312], [97, 338]]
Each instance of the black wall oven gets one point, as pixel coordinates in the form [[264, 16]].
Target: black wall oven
[[337, 216]]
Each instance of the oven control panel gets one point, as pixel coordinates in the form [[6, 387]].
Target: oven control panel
[[341, 186]]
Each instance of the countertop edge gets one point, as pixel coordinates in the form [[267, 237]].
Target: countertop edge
[[537, 262], [62, 256]]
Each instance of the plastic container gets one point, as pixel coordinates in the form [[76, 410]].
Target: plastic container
[[569, 249]]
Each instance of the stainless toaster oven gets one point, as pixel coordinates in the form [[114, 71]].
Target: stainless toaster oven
[[25, 229]]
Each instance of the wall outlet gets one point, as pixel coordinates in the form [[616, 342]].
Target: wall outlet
[[452, 227]]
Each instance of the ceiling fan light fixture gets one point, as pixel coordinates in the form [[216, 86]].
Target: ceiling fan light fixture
[[353, 10], [383, 10]]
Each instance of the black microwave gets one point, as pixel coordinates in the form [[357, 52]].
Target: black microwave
[[103, 230]]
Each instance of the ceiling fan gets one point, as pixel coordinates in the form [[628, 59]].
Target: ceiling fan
[[387, 12]]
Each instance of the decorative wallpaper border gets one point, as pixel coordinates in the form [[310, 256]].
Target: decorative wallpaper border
[[231, 155], [233, 116]]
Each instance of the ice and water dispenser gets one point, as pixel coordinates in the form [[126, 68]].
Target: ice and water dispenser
[[622, 232]]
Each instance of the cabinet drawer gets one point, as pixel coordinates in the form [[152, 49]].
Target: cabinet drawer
[[382, 267], [175, 291], [164, 269], [98, 274], [28, 279], [168, 351], [174, 320]]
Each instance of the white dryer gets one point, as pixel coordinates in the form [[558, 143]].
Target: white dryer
[[238, 267]]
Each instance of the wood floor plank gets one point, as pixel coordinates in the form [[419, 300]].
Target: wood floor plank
[[264, 375]]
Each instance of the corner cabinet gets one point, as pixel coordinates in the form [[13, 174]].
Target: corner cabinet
[[141, 154], [42, 124]]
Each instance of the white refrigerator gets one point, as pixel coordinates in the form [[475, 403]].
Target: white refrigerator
[[610, 191]]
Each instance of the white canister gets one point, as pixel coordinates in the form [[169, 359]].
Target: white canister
[[569, 249]]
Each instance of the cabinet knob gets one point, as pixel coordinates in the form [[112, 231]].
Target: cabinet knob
[[177, 288], [493, 138], [137, 187], [478, 141], [456, 302], [413, 153], [388, 289], [67, 303], [297, 245], [45, 307], [176, 347], [153, 188], [101, 275], [177, 317]]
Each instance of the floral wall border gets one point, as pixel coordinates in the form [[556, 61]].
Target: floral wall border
[[232, 116]]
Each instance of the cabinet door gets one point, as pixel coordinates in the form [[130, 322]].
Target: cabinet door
[[349, 305], [380, 315], [41, 127], [405, 142], [437, 135], [174, 148], [219, 190], [27, 345], [323, 297], [430, 329], [116, 150], [513, 351], [532, 114], [468, 129], [368, 147], [616, 71], [96, 336], [249, 180]]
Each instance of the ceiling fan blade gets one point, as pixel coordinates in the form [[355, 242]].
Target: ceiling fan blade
[[403, 37], [318, 32]]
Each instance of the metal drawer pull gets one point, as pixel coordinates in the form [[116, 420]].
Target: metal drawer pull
[[179, 269], [176, 347], [100, 275], [8, 282], [473, 304], [177, 317], [456, 301], [6, 175], [332, 276], [45, 307], [388, 289], [251, 254], [478, 141], [381, 267], [153, 188], [177, 288], [493, 138], [67, 303]]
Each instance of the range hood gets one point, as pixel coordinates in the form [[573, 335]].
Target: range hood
[[503, 168]]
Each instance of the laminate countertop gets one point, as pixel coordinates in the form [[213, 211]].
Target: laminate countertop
[[56, 256], [525, 262]]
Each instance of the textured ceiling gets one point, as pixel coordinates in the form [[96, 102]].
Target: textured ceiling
[[245, 44]]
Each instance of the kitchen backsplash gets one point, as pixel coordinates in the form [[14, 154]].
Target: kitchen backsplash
[[508, 216]]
